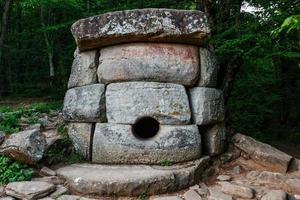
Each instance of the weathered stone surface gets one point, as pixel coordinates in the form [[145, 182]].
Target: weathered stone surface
[[115, 143], [167, 103], [45, 171], [51, 137], [25, 146], [50, 179], [237, 190], [173, 63], [224, 178], [265, 155], [275, 195], [201, 189], [2, 191], [217, 194], [168, 198], [7, 198], [214, 139], [293, 185], [192, 195], [266, 177], [294, 166], [208, 69], [86, 103], [60, 190], [29, 189], [144, 25], [2, 137], [84, 68], [80, 135], [73, 197], [207, 105], [131, 179]]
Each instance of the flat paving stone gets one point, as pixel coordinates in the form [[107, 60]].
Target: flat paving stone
[[131, 180], [29, 189]]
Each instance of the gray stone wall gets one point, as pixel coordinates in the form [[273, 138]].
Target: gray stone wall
[[163, 72]]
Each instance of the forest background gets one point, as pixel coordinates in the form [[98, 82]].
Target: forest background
[[257, 43]]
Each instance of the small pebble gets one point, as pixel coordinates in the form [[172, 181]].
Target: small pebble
[[45, 171], [223, 178]]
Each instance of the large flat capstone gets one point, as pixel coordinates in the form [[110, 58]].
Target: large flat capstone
[[132, 180], [85, 104], [115, 143], [126, 102], [144, 25], [173, 63], [207, 105]]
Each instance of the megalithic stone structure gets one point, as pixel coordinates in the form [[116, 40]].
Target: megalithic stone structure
[[142, 103]]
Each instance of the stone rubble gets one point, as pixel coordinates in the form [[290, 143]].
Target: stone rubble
[[29, 189], [45, 171], [237, 190], [263, 154], [25, 146], [275, 195], [223, 178], [192, 195]]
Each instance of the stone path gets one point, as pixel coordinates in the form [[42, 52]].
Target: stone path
[[235, 180]]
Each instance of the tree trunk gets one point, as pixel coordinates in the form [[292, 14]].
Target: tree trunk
[[88, 5], [49, 46], [3, 25]]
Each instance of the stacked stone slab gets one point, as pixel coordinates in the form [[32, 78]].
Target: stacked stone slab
[[137, 64]]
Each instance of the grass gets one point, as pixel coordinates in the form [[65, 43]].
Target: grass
[[30, 114], [11, 171]]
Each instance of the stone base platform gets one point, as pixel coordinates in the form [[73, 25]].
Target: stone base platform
[[132, 180]]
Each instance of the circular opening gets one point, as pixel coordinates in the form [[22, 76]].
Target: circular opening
[[145, 127]]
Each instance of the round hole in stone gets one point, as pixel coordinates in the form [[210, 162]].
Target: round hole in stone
[[145, 127]]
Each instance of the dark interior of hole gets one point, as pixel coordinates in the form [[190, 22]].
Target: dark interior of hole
[[145, 127]]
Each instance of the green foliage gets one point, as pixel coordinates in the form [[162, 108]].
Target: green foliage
[[264, 102], [32, 113], [290, 24], [11, 171], [165, 163]]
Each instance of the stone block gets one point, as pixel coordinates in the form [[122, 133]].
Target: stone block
[[127, 102], [171, 63], [85, 104], [141, 25], [116, 143], [80, 135], [208, 69], [84, 69], [207, 105], [214, 139]]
